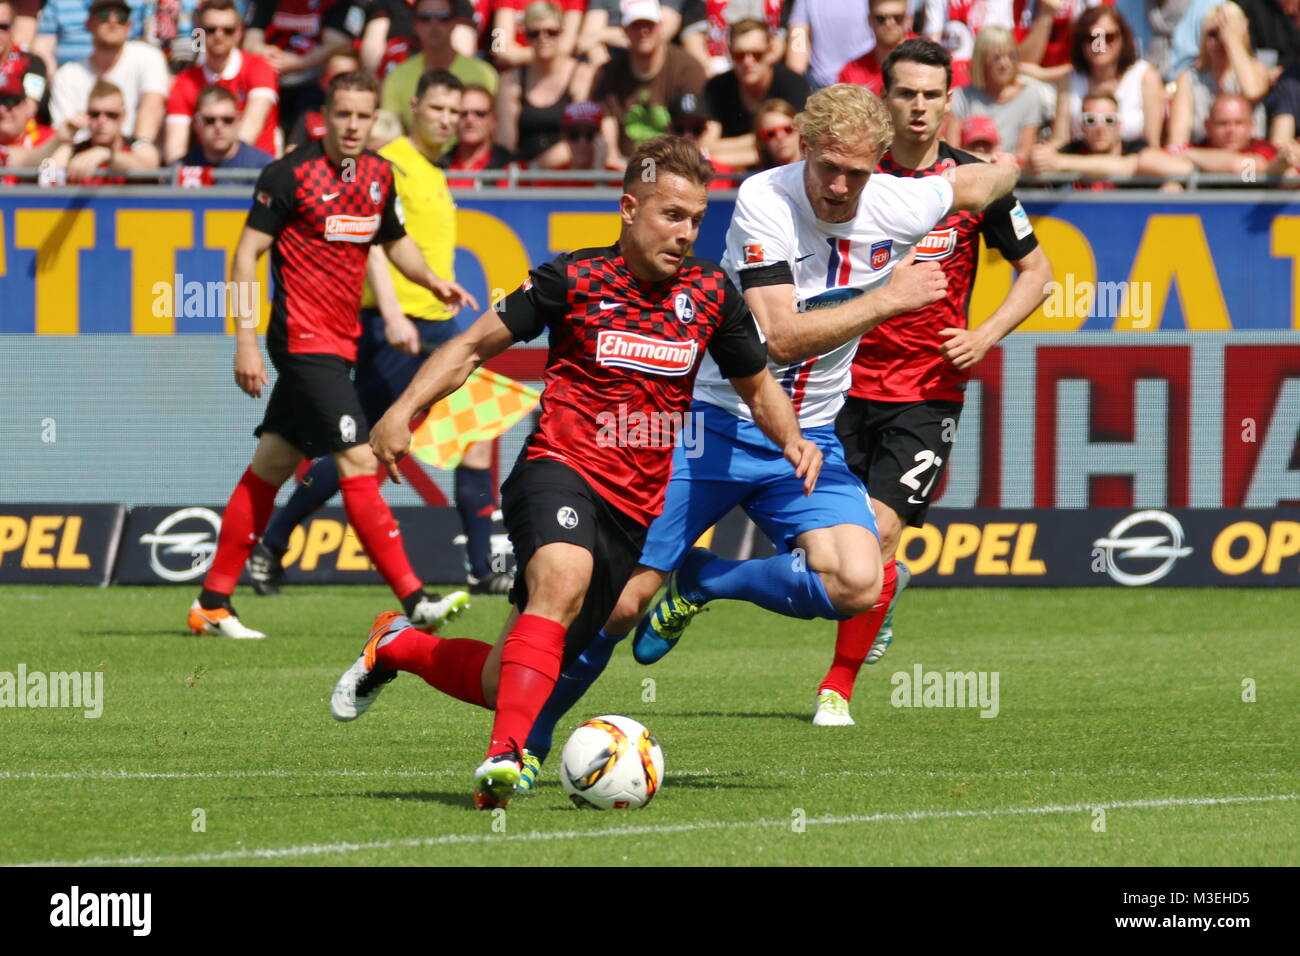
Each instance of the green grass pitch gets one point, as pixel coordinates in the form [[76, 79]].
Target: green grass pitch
[[1122, 737]]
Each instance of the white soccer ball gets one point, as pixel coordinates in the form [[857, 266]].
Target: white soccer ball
[[611, 763]]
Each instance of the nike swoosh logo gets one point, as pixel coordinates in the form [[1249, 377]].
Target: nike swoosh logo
[[326, 197], [606, 306], [912, 501], [809, 256]]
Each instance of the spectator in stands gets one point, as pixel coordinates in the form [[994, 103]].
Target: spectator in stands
[[1104, 55], [824, 36], [891, 24], [248, 77], [602, 29], [512, 48], [476, 146], [216, 131], [1163, 15], [1101, 153], [65, 34], [434, 20], [24, 143], [533, 97], [1226, 65], [27, 16], [107, 151], [1047, 42], [310, 126], [389, 36], [689, 119], [171, 29], [27, 69], [1231, 144], [635, 90], [997, 92], [735, 96], [297, 37], [778, 140], [1274, 33], [136, 69], [708, 25], [582, 134], [979, 134]]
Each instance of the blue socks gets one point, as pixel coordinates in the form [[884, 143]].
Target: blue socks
[[782, 583], [474, 502], [569, 688], [318, 487]]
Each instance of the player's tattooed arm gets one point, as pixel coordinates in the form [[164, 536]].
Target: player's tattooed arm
[[977, 185], [793, 337], [776, 417], [405, 254], [441, 374], [250, 370]]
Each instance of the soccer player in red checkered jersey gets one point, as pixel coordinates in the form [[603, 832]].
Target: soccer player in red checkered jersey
[[899, 421], [318, 210], [629, 326]]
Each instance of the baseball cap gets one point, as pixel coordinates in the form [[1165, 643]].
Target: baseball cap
[[980, 129], [108, 5], [583, 113], [634, 10], [11, 84], [688, 106]]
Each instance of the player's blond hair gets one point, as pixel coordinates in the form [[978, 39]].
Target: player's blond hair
[[846, 115]]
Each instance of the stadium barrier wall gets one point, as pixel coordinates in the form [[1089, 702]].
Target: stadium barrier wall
[[118, 383]]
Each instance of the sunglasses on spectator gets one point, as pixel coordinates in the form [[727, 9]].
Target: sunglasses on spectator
[[767, 135], [4, 27], [548, 32], [755, 55], [106, 114], [581, 135], [442, 16], [898, 18], [224, 31], [214, 120], [1110, 37], [1100, 119], [11, 102], [116, 14]]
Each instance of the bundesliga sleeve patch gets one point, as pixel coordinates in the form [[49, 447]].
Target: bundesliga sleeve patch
[[753, 253], [1020, 221], [264, 197]]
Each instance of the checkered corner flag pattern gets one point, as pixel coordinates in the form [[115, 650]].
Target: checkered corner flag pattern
[[486, 406]]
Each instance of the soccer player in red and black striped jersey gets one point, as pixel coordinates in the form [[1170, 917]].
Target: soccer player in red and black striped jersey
[[318, 211], [899, 421], [629, 326]]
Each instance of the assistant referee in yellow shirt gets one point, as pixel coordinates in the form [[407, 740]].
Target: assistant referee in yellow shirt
[[401, 324]]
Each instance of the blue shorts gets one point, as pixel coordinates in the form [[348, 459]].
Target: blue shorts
[[736, 464], [383, 372]]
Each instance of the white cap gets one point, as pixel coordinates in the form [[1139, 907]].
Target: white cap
[[634, 10]]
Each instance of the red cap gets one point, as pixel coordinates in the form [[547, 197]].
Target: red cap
[[980, 129], [583, 113], [11, 83]]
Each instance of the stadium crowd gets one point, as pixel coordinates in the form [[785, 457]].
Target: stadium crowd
[[92, 90]]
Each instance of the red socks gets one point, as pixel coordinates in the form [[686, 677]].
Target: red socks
[[854, 636], [247, 513], [529, 667], [454, 667], [369, 516]]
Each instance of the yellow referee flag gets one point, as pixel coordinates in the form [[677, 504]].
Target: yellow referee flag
[[484, 407]]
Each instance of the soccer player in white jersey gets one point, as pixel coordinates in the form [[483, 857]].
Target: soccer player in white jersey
[[821, 250]]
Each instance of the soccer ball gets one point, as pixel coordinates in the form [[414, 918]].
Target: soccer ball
[[611, 763]]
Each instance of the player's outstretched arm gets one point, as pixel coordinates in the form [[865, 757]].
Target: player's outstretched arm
[[794, 338], [399, 330], [405, 254], [774, 414], [967, 347], [976, 185], [441, 374], [250, 370]]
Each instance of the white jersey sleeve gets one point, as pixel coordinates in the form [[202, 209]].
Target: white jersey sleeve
[[928, 200], [762, 230]]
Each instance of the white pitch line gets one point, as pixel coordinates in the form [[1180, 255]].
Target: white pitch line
[[452, 839]]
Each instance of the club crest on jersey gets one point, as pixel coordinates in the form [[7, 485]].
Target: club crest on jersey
[[939, 244], [347, 428], [683, 307], [880, 253], [376, 193], [351, 228], [642, 353], [753, 253], [528, 284]]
